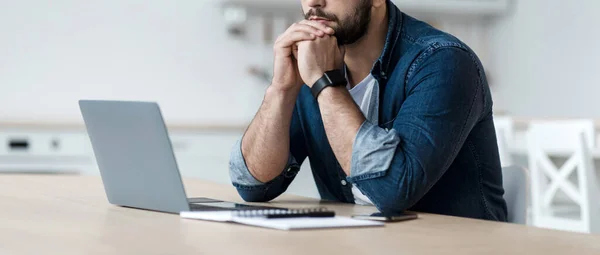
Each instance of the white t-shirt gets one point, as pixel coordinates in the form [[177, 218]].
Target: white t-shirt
[[361, 94]]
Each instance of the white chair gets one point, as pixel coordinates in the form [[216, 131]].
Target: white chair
[[505, 137], [514, 181], [560, 200]]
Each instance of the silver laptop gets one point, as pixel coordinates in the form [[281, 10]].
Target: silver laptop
[[136, 160]]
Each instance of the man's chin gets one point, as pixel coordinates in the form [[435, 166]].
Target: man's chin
[[341, 39], [345, 42]]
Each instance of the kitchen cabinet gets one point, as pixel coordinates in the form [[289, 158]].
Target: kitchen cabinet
[[201, 152]]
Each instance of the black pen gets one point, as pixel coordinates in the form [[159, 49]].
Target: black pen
[[318, 214]]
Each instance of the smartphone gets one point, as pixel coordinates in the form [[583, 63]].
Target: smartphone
[[387, 218]]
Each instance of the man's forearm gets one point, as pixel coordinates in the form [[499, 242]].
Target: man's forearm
[[342, 119], [265, 145]]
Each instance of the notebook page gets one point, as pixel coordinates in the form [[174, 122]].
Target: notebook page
[[222, 216], [307, 222]]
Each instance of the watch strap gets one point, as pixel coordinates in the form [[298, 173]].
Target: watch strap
[[331, 78]]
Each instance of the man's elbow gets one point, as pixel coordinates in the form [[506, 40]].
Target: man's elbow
[[251, 198], [395, 193], [255, 195], [392, 205]]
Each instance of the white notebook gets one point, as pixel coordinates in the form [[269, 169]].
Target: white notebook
[[281, 223]]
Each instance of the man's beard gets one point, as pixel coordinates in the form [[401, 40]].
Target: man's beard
[[353, 28]]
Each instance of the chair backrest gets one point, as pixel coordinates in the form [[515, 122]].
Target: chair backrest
[[566, 139], [561, 136], [505, 137], [515, 179]]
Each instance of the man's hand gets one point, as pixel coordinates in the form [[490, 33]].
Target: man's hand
[[285, 73], [315, 57]]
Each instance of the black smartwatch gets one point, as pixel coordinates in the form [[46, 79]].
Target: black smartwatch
[[331, 78]]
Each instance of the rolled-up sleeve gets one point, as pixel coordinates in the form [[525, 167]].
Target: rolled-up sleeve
[[238, 170], [373, 151], [395, 168], [253, 190]]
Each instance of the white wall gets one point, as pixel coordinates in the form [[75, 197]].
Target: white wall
[[543, 59], [547, 59], [53, 53]]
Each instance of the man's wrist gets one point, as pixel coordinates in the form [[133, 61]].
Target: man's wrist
[[314, 78], [331, 92], [333, 78], [283, 95]]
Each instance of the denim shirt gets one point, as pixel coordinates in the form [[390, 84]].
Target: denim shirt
[[428, 144]]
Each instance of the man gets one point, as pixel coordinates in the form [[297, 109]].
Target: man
[[389, 110]]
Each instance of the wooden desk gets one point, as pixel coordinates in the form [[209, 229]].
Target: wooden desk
[[70, 215]]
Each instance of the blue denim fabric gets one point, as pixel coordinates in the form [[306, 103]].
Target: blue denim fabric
[[428, 146]]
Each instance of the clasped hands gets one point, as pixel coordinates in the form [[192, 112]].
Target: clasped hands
[[304, 52]]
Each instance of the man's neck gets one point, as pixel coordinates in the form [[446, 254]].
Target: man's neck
[[361, 55]]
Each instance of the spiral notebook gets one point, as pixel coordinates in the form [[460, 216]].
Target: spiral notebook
[[316, 218]]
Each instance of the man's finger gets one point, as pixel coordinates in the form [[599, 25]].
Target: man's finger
[[290, 39], [299, 28], [318, 25], [305, 28]]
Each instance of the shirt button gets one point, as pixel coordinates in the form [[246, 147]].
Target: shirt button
[[344, 182]]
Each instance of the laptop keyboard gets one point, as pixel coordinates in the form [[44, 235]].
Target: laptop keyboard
[[201, 207], [207, 207]]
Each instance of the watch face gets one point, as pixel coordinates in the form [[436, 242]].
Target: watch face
[[336, 77]]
